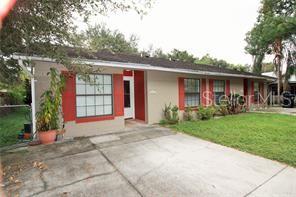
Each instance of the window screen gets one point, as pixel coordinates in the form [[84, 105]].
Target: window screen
[[192, 92], [94, 97], [219, 90]]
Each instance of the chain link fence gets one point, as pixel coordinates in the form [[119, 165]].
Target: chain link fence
[[15, 124]]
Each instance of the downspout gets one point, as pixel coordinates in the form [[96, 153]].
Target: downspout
[[33, 106]]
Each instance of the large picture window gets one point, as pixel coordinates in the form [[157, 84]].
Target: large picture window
[[219, 90], [192, 92], [94, 96]]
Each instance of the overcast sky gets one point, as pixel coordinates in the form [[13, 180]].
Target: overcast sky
[[217, 27]]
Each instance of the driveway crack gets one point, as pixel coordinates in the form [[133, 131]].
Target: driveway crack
[[74, 182], [128, 181], [266, 181]]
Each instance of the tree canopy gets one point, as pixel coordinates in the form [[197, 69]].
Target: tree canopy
[[100, 37], [181, 56], [273, 32], [276, 23], [43, 26]]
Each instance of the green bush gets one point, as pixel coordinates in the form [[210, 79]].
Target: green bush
[[222, 109], [171, 114], [206, 113], [188, 116], [175, 114], [167, 112]]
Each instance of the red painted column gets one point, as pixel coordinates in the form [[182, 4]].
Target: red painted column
[[118, 93], [69, 97], [204, 93], [246, 87], [181, 93], [139, 79], [252, 92], [227, 88], [211, 92]]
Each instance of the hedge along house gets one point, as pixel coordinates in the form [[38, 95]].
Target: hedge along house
[[137, 87]]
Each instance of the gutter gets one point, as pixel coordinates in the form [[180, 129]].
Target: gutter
[[127, 65]]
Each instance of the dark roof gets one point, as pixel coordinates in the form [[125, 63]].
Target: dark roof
[[106, 55]]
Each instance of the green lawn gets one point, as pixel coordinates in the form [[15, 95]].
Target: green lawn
[[11, 125], [269, 135]]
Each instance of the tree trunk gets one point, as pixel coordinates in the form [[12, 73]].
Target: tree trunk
[[277, 61], [257, 65]]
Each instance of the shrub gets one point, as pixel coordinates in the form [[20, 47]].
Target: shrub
[[167, 112], [236, 104], [223, 110], [171, 114], [175, 115], [188, 116], [206, 113]]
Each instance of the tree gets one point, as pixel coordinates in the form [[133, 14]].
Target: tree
[[100, 37], [207, 59], [267, 67], [44, 27], [181, 56], [159, 54], [275, 24], [290, 54]]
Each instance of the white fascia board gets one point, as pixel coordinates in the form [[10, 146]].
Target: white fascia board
[[132, 66]]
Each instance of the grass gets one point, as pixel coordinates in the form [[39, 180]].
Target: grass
[[272, 136], [11, 124]]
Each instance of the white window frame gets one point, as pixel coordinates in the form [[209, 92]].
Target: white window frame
[[99, 92]]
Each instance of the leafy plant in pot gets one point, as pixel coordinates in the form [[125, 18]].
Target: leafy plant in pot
[[48, 117]]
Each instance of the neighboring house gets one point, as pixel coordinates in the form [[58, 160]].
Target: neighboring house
[[273, 86], [131, 86]]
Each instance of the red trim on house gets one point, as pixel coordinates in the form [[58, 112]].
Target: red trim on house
[[94, 119], [211, 92], [128, 73], [261, 90], [69, 97], [245, 87], [227, 88], [118, 94], [181, 93], [204, 94], [252, 92], [139, 80]]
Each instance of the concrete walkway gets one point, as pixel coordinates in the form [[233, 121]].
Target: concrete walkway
[[143, 161]]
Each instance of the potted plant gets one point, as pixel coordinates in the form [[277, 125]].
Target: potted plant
[[48, 118]]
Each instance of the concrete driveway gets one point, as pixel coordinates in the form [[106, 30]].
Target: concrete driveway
[[145, 161]]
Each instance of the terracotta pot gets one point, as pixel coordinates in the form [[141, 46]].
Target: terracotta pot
[[27, 136], [47, 137]]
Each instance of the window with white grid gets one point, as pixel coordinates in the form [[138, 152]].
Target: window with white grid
[[94, 96], [192, 92]]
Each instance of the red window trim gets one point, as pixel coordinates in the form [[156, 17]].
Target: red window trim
[[78, 120], [204, 95], [252, 92], [128, 73], [227, 87], [94, 119], [181, 93]]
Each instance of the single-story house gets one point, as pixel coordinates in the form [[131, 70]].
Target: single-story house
[[137, 87]]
